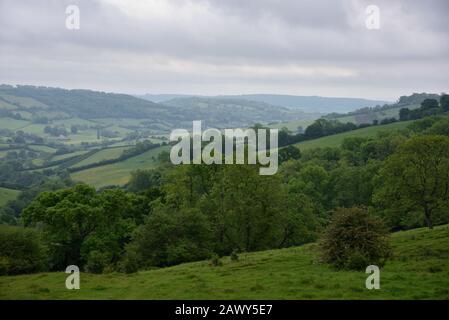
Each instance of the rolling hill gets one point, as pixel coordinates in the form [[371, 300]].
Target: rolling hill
[[310, 104], [7, 195], [336, 139], [118, 173], [226, 112], [417, 270]]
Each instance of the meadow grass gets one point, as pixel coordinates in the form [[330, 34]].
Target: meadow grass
[[419, 269], [336, 139], [7, 195], [118, 173], [104, 154]]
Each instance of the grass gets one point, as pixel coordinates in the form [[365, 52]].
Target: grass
[[336, 139], [12, 124], [68, 155], [42, 148], [104, 154], [118, 173], [293, 125], [7, 195], [419, 269]]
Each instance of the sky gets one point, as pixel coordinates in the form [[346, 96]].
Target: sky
[[212, 47]]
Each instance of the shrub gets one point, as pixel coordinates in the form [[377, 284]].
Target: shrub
[[21, 251], [354, 240], [215, 260], [234, 255], [130, 262], [97, 261]]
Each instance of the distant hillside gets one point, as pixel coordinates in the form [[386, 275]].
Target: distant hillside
[[44, 105], [162, 97], [369, 114], [84, 104], [312, 104], [233, 112]]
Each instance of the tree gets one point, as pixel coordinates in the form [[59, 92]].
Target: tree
[[415, 180], [404, 114], [354, 240], [21, 251], [289, 153], [77, 221], [444, 102]]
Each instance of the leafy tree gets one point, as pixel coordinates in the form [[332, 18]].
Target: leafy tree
[[77, 221], [444, 102], [144, 179], [415, 180], [288, 153], [354, 240], [21, 251], [170, 236]]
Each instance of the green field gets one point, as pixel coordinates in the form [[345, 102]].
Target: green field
[[7, 195], [118, 173], [418, 270], [104, 154], [336, 139], [68, 155], [293, 125]]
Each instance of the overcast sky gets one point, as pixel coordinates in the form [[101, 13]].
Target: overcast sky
[[209, 47]]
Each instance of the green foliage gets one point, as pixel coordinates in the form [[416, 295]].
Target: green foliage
[[78, 221], [144, 179], [170, 237], [414, 182], [354, 240], [215, 260], [289, 153], [97, 261], [234, 255], [21, 251]]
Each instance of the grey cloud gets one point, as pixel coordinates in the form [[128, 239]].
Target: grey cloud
[[208, 45]]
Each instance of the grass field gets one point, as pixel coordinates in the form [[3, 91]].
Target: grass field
[[104, 154], [419, 269], [293, 125], [68, 155], [336, 139], [118, 173], [7, 195]]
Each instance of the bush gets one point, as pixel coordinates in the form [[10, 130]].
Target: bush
[[354, 240], [97, 261], [234, 255], [130, 262], [21, 251], [215, 260]]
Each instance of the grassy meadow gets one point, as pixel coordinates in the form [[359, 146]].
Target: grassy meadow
[[419, 269], [336, 139], [7, 195], [118, 173]]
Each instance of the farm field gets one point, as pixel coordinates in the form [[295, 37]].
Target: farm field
[[336, 139], [7, 195], [414, 272], [104, 154], [118, 173]]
